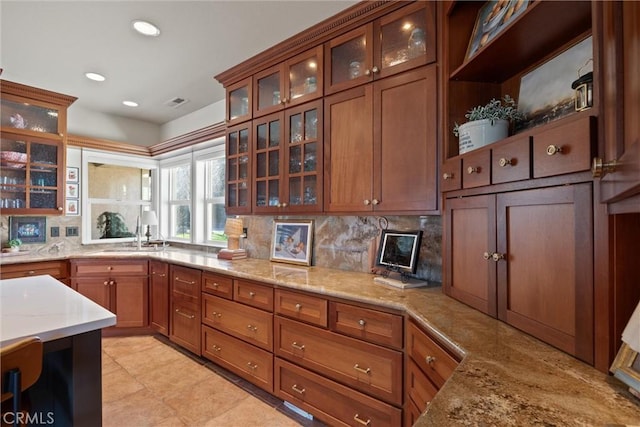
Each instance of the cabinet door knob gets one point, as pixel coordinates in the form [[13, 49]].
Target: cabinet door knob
[[600, 168], [553, 149], [473, 169], [375, 70], [298, 307], [486, 256], [375, 202], [362, 322], [60, 208], [447, 176], [367, 72], [252, 294], [497, 257], [367, 202], [284, 205], [106, 283], [504, 162], [430, 359]]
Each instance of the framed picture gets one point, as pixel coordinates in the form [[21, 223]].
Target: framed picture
[[626, 368], [399, 250], [29, 229], [72, 174], [73, 191], [546, 93], [292, 241], [492, 18], [72, 207]]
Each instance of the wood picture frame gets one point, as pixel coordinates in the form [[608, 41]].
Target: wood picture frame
[[626, 368], [292, 241], [29, 229]]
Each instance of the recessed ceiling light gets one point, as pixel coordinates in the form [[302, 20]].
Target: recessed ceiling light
[[146, 28], [95, 76], [130, 103]]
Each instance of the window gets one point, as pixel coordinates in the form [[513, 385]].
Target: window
[[179, 202], [210, 171], [115, 196]]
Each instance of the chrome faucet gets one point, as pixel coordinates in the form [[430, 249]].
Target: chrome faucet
[[138, 233]]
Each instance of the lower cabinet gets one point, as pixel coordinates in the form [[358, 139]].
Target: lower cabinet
[[56, 269], [120, 286], [159, 296], [185, 324]]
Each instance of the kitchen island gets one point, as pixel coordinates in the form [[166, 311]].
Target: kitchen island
[[69, 390]]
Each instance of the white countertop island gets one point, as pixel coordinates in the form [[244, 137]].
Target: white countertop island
[[44, 307]]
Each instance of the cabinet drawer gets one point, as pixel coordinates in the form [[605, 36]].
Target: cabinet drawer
[[253, 294], [57, 269], [110, 267], [370, 325], [185, 325], [332, 403], [450, 178], [434, 361], [185, 282], [411, 413], [302, 307], [564, 149], [418, 386], [476, 169], [251, 363], [511, 161], [216, 284], [369, 368], [249, 324]]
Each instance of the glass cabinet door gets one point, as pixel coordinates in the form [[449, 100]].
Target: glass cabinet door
[[30, 174], [239, 99], [29, 116], [304, 158], [350, 59], [267, 152], [304, 80], [238, 168], [269, 93]]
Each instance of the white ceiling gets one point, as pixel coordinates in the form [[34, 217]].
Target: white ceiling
[[51, 44]]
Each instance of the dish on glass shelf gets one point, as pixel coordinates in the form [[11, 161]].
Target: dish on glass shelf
[[13, 159]]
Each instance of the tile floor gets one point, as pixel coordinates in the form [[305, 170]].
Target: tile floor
[[149, 381]]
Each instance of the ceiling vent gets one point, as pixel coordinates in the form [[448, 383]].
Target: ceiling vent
[[176, 102]]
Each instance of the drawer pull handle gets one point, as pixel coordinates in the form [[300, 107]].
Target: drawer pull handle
[[357, 418], [31, 272], [298, 307], [158, 274], [447, 176], [109, 268], [553, 149], [216, 348], [298, 390], [472, 169], [362, 322], [297, 346], [188, 316], [505, 162], [252, 294], [216, 314], [430, 359], [364, 371], [252, 366], [185, 281], [252, 328], [215, 285], [495, 256]]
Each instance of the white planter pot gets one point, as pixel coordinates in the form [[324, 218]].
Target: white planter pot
[[480, 133]]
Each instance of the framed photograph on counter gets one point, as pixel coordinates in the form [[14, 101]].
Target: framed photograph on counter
[[292, 241]]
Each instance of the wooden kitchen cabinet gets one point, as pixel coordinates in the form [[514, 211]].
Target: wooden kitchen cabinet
[[302, 307], [367, 324], [185, 323], [159, 294], [33, 123], [396, 42], [58, 269], [120, 286], [216, 284], [542, 285], [238, 179], [380, 145], [239, 99]]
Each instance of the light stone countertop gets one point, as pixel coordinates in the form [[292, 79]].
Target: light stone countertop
[[505, 378]]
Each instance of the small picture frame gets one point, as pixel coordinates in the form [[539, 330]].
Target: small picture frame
[[493, 17], [72, 207], [399, 250], [626, 368], [29, 229], [73, 190], [73, 175], [292, 241]]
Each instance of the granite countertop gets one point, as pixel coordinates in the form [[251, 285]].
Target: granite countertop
[[506, 377]]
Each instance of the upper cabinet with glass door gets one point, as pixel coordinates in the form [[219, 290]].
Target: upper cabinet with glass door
[[397, 42], [288, 84], [239, 100], [33, 123]]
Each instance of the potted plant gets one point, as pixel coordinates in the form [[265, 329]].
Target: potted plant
[[487, 123], [13, 245]]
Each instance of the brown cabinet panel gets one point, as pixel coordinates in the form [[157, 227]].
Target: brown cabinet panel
[[476, 169], [435, 362], [369, 368], [159, 296], [185, 325], [216, 284], [451, 176], [331, 402], [251, 363], [366, 324], [247, 323], [511, 161], [56, 269], [545, 284], [185, 282], [411, 413], [131, 301], [101, 267], [419, 388], [253, 294], [301, 307], [96, 289], [564, 149]]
